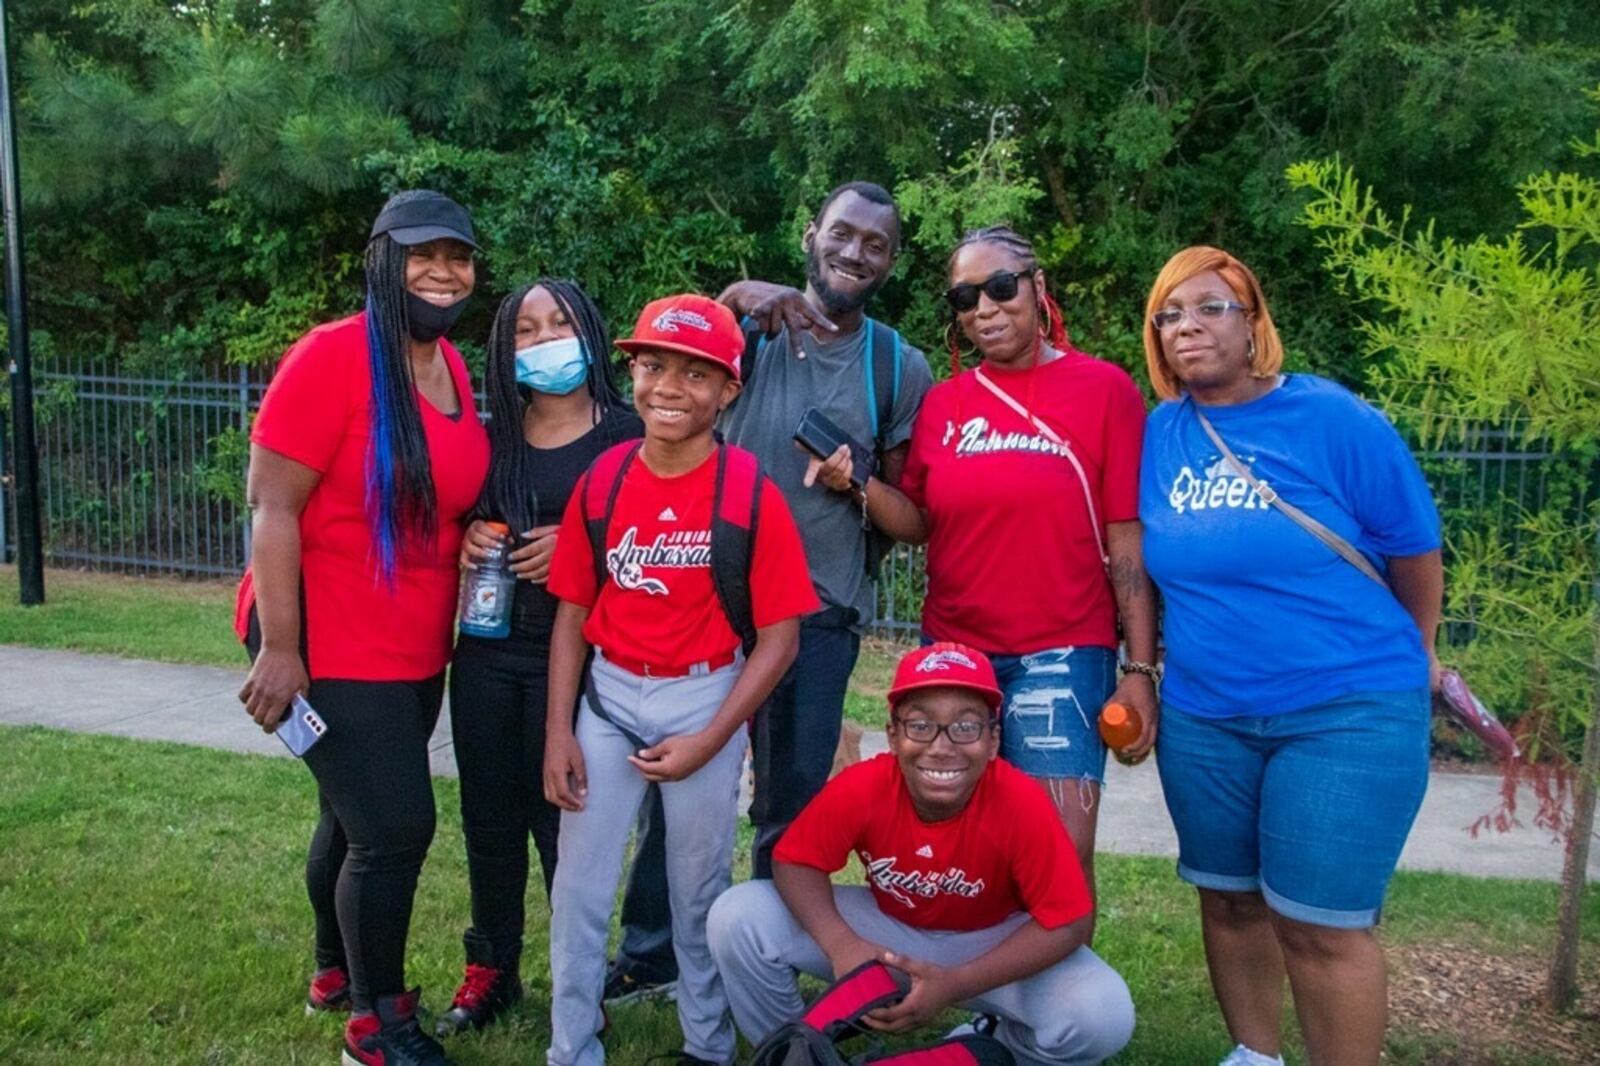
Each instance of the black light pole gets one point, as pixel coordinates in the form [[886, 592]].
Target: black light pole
[[24, 450]]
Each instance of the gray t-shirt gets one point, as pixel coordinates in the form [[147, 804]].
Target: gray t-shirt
[[832, 378]]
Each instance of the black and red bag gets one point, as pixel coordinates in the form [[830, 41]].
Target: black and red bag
[[813, 1039]]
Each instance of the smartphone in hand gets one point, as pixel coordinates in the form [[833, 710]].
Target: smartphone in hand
[[821, 436], [301, 727]]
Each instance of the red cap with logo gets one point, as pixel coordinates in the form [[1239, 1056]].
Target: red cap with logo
[[695, 325], [943, 665]]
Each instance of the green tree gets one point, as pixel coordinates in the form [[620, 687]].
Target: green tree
[[1487, 331]]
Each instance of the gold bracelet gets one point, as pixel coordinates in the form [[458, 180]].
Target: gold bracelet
[[1135, 666]]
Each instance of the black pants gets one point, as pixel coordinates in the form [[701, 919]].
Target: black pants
[[498, 693], [793, 742], [377, 821]]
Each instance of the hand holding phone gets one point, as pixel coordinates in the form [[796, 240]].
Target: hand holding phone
[[821, 436], [301, 727]]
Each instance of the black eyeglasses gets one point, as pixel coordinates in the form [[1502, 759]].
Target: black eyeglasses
[[998, 287], [1169, 317], [923, 731]]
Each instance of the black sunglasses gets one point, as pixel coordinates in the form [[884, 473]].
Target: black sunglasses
[[999, 288]]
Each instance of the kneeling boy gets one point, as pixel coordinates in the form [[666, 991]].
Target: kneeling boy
[[673, 560], [975, 889]]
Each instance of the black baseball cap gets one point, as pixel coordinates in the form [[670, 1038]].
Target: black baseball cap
[[420, 215]]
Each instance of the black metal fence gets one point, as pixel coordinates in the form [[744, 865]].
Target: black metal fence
[[141, 475]]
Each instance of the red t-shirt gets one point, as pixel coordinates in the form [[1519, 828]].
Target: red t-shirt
[[316, 413], [1007, 850], [1012, 562], [660, 605]]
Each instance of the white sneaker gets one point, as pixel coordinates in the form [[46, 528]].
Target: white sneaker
[[1243, 1056]]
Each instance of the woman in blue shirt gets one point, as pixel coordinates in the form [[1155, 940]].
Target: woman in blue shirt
[[1294, 741]]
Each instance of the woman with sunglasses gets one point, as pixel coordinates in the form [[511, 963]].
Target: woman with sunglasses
[[554, 406], [1023, 481], [1294, 743]]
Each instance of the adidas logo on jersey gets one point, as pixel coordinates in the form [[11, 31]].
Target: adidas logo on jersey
[[667, 515], [925, 852]]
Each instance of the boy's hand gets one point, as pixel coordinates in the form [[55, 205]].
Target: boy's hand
[[566, 782], [847, 957], [531, 562], [933, 988], [676, 757]]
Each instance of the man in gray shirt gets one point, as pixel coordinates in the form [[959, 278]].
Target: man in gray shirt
[[815, 348]]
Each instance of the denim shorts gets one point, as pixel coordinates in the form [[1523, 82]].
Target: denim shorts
[[1310, 808], [1049, 723]]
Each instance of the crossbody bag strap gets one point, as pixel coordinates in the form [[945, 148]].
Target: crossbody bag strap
[[1066, 449], [1268, 495]]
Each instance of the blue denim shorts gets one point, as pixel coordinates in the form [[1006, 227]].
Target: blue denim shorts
[[1049, 720], [1310, 808]]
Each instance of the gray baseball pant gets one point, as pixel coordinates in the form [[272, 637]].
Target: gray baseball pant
[[1077, 1011], [701, 817]]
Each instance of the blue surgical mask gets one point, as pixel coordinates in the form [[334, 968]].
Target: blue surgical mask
[[555, 367]]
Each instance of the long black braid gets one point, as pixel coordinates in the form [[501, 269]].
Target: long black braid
[[508, 492], [401, 505]]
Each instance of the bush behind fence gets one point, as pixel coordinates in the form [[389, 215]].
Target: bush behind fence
[[146, 476]]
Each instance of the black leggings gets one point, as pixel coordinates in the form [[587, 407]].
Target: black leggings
[[377, 821], [498, 693], [376, 797]]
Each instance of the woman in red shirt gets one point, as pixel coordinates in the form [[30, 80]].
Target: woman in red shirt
[[364, 458], [1023, 480]]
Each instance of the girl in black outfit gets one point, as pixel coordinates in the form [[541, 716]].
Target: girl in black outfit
[[555, 406]]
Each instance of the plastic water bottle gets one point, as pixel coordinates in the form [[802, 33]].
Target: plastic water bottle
[[488, 589], [1120, 726]]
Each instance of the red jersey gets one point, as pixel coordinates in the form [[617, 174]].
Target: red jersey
[[316, 413], [1007, 850], [1013, 566], [659, 605]]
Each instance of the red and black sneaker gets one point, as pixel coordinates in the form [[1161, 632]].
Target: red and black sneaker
[[389, 1035], [329, 991], [484, 995]]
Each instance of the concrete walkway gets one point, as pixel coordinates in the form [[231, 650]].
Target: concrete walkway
[[199, 705]]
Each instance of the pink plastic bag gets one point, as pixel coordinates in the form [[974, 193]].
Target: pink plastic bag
[[1458, 701]]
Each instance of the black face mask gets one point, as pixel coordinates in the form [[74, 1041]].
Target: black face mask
[[427, 321]]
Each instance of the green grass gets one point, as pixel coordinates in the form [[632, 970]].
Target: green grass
[[140, 618], [152, 911]]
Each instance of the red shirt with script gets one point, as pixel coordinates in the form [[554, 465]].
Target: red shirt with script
[[1013, 566], [1007, 850], [659, 605]]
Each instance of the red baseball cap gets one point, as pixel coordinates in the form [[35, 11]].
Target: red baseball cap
[[946, 664], [695, 325]]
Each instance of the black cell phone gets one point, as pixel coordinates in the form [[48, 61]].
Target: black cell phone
[[821, 436]]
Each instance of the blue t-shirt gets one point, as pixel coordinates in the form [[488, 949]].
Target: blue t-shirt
[[1261, 617]]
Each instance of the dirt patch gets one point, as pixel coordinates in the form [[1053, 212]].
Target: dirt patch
[[1490, 1004]]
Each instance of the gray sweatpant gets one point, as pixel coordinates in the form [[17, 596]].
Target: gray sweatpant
[[1077, 1011], [701, 816]]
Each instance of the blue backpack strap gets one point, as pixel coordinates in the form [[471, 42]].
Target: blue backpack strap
[[735, 517], [882, 367], [600, 486], [755, 342]]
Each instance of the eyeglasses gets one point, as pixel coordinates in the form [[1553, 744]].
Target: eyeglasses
[[1170, 317], [923, 731], [999, 288]]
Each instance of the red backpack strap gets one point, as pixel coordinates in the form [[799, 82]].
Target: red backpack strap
[[600, 486], [736, 513], [865, 988], [971, 1050]]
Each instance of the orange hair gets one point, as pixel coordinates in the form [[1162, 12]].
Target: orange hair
[[1179, 269]]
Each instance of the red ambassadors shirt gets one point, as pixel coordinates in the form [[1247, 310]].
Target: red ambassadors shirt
[[316, 413], [659, 605], [1007, 850], [1012, 562]]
